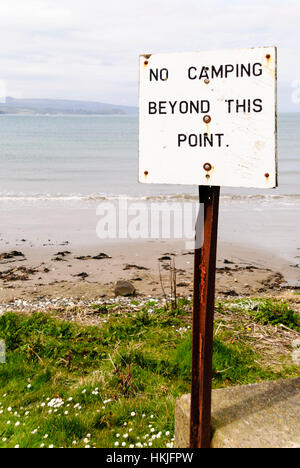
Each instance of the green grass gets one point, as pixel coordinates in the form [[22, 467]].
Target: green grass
[[267, 312], [116, 378]]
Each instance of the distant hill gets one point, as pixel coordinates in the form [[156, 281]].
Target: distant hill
[[61, 106]]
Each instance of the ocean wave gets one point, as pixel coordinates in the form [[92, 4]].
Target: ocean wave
[[149, 197]]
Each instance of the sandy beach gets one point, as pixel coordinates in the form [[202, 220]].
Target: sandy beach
[[52, 251], [56, 243], [64, 271]]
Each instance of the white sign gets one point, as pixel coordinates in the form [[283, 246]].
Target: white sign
[[209, 118]]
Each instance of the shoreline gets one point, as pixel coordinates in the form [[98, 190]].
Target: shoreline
[[258, 253], [77, 272]]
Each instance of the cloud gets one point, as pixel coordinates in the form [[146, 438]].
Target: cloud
[[38, 14], [89, 49]]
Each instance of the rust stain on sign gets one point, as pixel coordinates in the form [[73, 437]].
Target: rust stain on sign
[[259, 145], [270, 65], [209, 168], [207, 119], [147, 57]]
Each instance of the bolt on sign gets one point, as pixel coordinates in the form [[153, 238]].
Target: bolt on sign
[[209, 118]]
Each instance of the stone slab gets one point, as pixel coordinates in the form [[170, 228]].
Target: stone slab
[[264, 415]]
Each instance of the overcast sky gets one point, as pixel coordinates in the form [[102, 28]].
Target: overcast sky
[[88, 49]]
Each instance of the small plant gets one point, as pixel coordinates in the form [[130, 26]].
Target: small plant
[[276, 313], [101, 308], [173, 285], [266, 311]]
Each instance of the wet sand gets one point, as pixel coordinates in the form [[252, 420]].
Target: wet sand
[[258, 254], [80, 272]]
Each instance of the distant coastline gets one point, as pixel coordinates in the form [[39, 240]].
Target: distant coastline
[[14, 106]]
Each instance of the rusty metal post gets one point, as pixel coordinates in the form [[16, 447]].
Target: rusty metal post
[[203, 321]]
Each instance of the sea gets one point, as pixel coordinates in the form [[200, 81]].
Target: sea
[[52, 164], [96, 157]]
